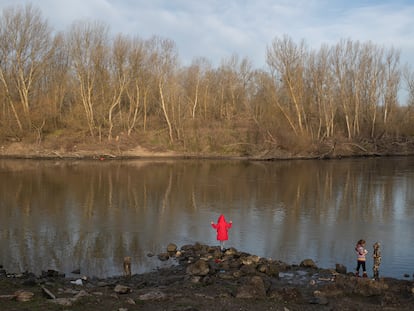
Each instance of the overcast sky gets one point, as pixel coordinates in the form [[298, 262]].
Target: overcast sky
[[215, 29]]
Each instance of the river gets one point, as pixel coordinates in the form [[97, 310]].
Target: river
[[80, 214]]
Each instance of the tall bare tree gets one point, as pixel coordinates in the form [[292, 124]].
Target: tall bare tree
[[118, 72], [287, 59], [88, 44], [321, 92], [164, 62], [26, 45]]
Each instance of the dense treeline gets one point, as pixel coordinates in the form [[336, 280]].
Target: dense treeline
[[85, 84]]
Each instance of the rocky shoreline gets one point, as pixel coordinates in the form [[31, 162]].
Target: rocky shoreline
[[202, 277]]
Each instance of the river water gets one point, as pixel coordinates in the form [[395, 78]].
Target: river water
[[88, 215]]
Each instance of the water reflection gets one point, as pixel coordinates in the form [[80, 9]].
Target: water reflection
[[66, 215]]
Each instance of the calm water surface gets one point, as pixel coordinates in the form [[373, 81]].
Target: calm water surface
[[66, 215]]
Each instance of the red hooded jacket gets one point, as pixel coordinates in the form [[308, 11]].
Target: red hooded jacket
[[222, 228]]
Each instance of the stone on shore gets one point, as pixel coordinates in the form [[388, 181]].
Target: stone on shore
[[199, 268]]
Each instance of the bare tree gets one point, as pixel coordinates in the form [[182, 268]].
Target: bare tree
[[392, 84], [26, 46], [286, 59], [87, 41], [194, 81], [164, 62], [118, 72], [343, 59], [321, 90]]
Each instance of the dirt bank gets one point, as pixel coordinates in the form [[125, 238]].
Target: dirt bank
[[112, 150], [202, 277]]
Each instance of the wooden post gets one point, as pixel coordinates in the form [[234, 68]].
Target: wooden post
[[127, 266], [377, 260]]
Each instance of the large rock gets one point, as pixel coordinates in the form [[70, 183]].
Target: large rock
[[360, 286], [171, 248], [163, 256], [273, 270], [23, 295], [368, 287], [248, 269], [152, 295], [289, 294], [308, 263], [200, 267], [340, 268], [255, 288], [249, 260], [122, 289]]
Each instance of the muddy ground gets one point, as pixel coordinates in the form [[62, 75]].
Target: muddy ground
[[202, 277]]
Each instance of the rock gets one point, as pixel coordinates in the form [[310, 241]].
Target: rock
[[81, 294], [66, 302], [230, 251], [250, 260], [237, 274], [171, 248], [262, 268], [152, 295], [22, 295], [367, 287], [248, 269], [308, 263], [288, 294], [235, 264], [330, 290], [360, 286], [9, 297], [199, 268], [76, 271], [52, 274], [32, 281], [130, 301], [340, 268], [78, 282], [321, 300], [273, 270], [254, 289], [163, 256], [195, 279], [122, 289]]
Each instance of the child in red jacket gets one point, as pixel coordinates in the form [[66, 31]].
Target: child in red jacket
[[222, 228]]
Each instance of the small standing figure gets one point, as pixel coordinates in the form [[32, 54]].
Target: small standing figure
[[222, 228], [361, 255], [377, 260]]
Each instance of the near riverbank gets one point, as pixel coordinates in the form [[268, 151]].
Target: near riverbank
[[201, 277]]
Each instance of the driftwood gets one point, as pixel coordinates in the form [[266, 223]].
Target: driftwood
[[48, 293], [127, 266], [377, 260]]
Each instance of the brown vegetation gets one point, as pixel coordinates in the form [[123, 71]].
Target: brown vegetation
[[59, 91]]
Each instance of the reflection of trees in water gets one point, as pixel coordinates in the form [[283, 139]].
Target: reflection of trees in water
[[91, 214]]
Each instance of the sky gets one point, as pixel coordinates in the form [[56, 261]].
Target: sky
[[217, 29]]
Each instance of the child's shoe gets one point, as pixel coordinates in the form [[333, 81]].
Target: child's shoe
[[357, 274], [364, 275]]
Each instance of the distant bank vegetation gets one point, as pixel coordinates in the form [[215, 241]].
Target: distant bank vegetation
[[85, 85]]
